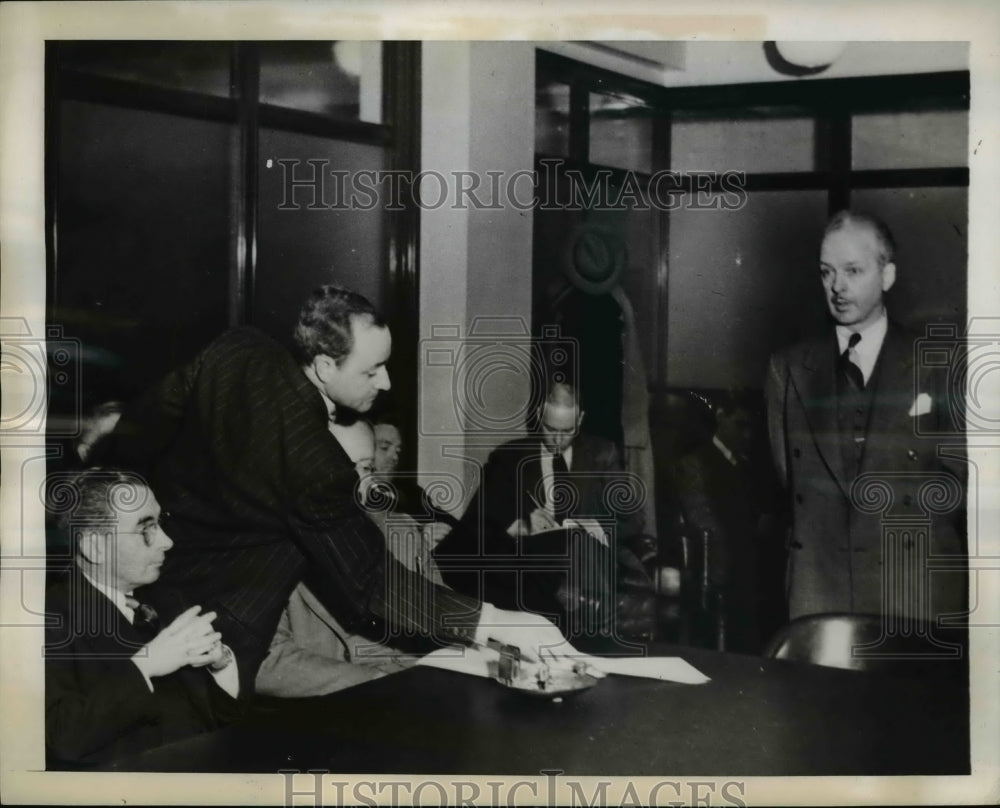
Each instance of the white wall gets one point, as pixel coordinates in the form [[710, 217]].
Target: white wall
[[683, 64], [478, 116]]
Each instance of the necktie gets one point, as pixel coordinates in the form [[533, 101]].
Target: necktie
[[850, 369], [561, 494], [145, 621]]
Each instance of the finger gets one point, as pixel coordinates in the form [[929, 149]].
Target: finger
[[199, 640], [202, 623], [201, 660], [182, 620], [200, 649]]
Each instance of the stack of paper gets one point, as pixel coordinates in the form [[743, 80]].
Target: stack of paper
[[475, 662]]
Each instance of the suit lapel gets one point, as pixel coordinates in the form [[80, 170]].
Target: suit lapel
[[815, 382], [94, 616], [893, 396], [528, 476]]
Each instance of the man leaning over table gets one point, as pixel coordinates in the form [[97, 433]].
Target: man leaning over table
[[312, 654], [261, 495], [849, 416]]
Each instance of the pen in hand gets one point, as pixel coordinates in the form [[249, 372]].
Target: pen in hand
[[541, 515]]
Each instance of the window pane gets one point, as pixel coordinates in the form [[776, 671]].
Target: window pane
[[621, 132], [196, 66], [910, 140], [930, 226], [552, 119], [641, 278], [750, 145], [143, 241], [742, 284], [337, 241], [341, 79]]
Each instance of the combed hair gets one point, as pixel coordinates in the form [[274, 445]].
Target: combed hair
[[93, 496], [324, 325], [886, 241]]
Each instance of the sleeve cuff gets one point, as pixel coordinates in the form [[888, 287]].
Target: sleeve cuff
[[145, 678], [487, 619], [228, 678]]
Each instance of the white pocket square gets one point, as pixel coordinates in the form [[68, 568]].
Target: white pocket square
[[921, 406]]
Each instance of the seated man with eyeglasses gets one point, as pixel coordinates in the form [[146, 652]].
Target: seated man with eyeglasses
[[115, 683]]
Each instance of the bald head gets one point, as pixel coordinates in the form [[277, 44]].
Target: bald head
[[559, 417]]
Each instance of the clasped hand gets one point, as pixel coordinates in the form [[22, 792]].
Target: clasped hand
[[188, 640]]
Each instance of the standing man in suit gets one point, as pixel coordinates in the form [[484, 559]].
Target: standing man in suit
[[114, 683], [261, 495], [849, 416], [558, 477]]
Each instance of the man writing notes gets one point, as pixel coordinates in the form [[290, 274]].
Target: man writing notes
[[261, 495], [557, 478], [849, 416], [115, 683]]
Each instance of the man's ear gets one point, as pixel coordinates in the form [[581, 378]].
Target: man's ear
[[579, 418], [323, 365], [91, 546], [888, 276]]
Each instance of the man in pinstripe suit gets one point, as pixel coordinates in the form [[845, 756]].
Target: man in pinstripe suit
[[259, 494]]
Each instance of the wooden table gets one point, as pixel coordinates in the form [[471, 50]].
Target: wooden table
[[756, 717]]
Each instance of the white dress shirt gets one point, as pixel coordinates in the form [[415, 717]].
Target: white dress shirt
[[865, 353]]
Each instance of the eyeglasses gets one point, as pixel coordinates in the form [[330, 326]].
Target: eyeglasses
[[149, 530]]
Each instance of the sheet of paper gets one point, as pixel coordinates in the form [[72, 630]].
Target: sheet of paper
[[475, 662], [666, 669]]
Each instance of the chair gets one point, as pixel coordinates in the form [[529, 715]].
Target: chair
[[866, 642]]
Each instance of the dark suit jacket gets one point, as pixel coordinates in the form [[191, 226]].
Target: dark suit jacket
[[97, 705], [904, 496], [718, 497], [259, 493]]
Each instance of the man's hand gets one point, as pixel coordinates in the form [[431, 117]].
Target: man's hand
[[518, 529], [218, 657], [537, 638], [541, 520], [591, 526], [435, 531], [188, 640]]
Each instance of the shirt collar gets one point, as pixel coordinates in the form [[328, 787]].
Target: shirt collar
[[865, 352], [116, 596], [331, 408], [567, 454]]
